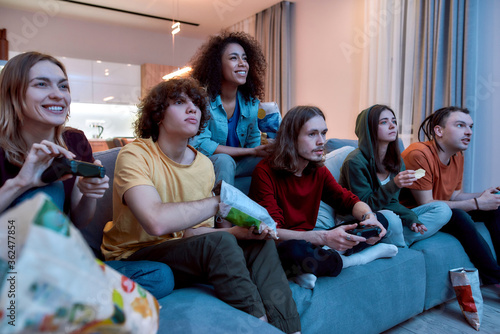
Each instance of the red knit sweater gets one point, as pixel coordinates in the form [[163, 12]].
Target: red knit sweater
[[292, 201]]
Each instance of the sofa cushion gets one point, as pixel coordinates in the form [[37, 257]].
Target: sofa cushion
[[364, 299], [335, 143], [442, 252], [197, 310], [333, 161], [104, 210]]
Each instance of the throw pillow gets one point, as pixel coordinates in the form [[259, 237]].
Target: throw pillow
[[333, 161]]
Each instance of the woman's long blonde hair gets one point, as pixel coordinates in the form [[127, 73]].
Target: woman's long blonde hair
[[14, 80]]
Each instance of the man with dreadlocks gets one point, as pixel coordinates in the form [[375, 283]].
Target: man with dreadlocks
[[449, 131]]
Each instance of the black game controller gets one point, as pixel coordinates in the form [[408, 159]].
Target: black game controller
[[61, 166], [365, 232]]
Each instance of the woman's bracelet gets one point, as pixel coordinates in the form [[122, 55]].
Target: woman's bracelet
[[477, 204]]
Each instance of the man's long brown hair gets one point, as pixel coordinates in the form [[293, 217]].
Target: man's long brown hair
[[285, 156]]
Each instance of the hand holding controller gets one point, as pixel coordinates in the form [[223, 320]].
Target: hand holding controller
[[61, 166], [365, 231]]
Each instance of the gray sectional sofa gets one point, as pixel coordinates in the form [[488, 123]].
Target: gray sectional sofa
[[364, 299]]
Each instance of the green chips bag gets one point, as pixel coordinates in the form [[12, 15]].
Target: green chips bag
[[240, 210]]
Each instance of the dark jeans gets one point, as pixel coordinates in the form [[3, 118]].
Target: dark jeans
[[462, 226], [300, 256], [244, 274]]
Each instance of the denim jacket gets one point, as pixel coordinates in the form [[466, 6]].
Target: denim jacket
[[215, 133]]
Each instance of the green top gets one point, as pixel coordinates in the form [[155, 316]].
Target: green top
[[359, 175]]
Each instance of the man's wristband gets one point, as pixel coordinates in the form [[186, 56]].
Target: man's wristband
[[363, 218], [477, 204]]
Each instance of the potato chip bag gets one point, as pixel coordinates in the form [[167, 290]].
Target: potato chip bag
[[240, 210], [467, 289], [52, 283]]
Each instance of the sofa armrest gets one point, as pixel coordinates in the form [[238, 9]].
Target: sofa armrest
[[104, 210]]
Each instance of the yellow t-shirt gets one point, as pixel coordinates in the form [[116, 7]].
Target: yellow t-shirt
[[143, 163]]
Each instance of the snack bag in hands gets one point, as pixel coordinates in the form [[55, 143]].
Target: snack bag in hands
[[240, 210], [468, 292], [53, 283], [269, 118]]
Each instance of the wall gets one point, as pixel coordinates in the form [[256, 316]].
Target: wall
[[485, 150], [324, 75], [326, 70], [74, 38], [116, 46]]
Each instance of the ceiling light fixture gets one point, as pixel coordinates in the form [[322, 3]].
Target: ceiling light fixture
[[127, 11], [109, 98], [177, 73], [176, 27]]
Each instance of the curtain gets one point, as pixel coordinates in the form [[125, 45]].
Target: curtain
[[272, 28], [420, 56], [440, 63], [274, 32], [416, 58], [247, 25], [388, 57]]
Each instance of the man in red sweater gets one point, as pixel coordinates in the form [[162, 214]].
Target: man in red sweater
[[290, 184]]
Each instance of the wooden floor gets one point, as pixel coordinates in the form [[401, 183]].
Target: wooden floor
[[447, 318]]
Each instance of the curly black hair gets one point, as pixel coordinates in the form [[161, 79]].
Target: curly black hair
[[152, 108], [207, 64]]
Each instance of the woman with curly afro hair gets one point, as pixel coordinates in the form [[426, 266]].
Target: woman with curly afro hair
[[231, 66]]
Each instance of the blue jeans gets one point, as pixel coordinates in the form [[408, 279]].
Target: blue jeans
[[394, 233], [156, 277], [227, 168], [433, 215]]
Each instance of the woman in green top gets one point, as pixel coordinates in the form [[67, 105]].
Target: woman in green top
[[375, 172]]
